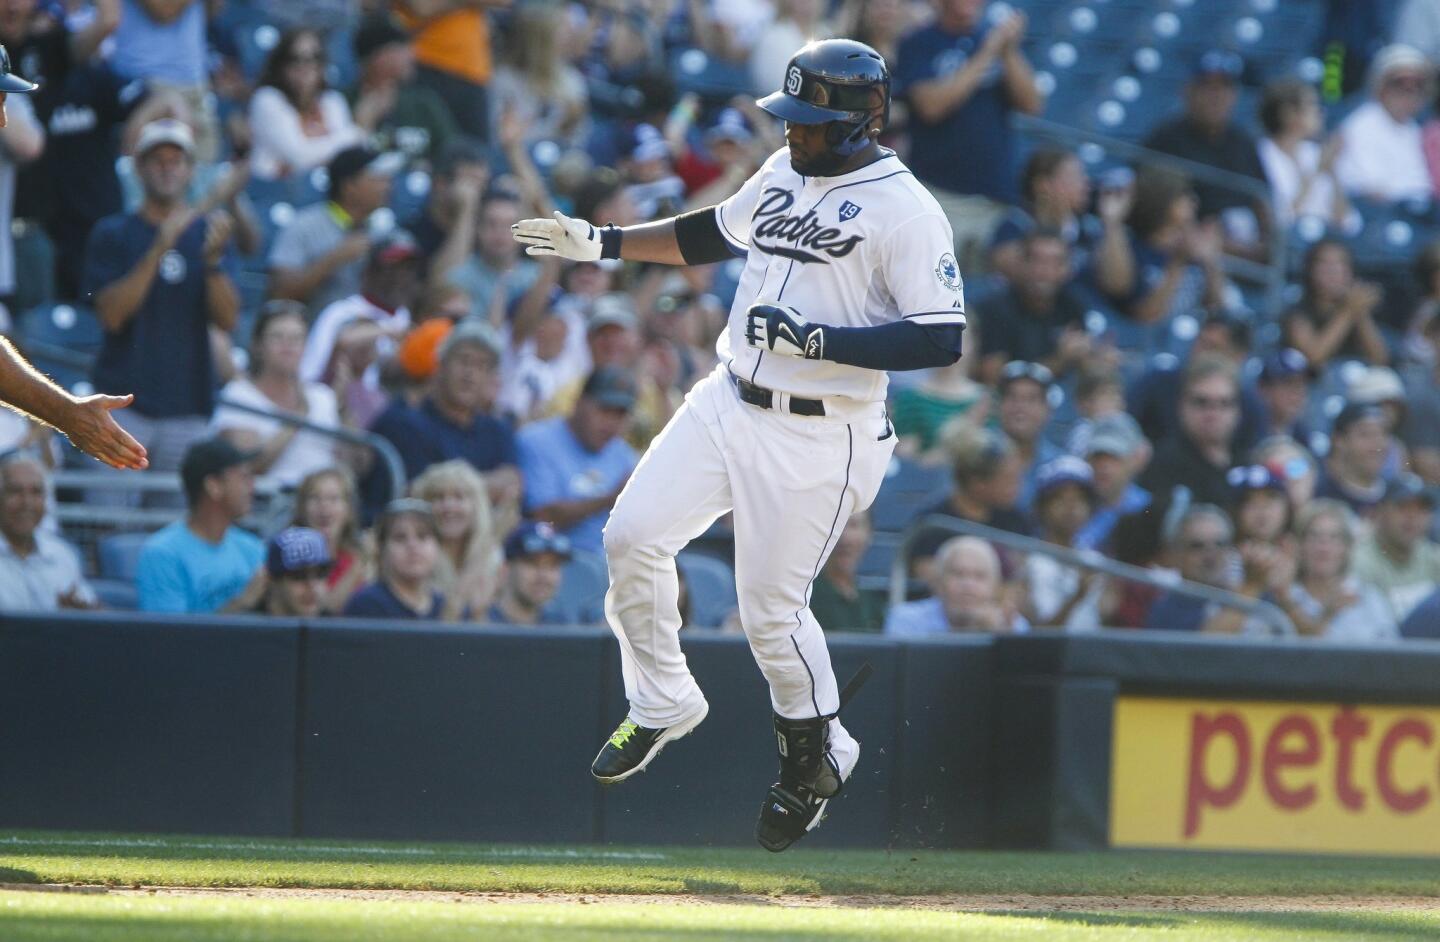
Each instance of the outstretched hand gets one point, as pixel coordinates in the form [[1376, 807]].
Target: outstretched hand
[[574, 239], [92, 429]]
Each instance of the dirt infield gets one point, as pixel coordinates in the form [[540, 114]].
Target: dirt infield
[[946, 903]]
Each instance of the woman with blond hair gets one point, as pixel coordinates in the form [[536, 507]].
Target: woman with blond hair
[[1325, 601], [536, 86], [325, 500], [470, 556]]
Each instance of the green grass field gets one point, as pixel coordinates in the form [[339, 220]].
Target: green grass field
[[786, 897]]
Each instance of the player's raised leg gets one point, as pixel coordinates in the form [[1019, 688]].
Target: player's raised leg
[[678, 489], [794, 493]]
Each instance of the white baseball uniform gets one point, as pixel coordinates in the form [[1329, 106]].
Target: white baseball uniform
[[856, 250]]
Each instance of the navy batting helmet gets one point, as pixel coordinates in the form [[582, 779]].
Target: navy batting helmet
[[835, 80], [9, 81]]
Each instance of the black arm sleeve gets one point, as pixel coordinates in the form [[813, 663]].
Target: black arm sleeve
[[697, 233], [899, 345]]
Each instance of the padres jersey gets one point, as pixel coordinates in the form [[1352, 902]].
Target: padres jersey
[[856, 250]]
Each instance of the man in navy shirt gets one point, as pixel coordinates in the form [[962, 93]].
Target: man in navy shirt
[[454, 421], [535, 558], [574, 466], [159, 278], [962, 77], [1203, 546]]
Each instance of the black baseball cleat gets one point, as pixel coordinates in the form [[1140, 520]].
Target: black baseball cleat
[[631, 747], [791, 810]]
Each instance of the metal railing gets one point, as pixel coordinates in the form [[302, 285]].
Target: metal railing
[[1270, 274], [1080, 559]]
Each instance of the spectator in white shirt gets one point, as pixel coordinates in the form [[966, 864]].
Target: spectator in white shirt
[[284, 453], [296, 122], [39, 572], [1381, 157], [1301, 172]]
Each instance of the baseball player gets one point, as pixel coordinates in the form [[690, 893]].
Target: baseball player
[[86, 421], [848, 273]]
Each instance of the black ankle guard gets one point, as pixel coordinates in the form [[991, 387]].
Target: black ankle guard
[[804, 747]]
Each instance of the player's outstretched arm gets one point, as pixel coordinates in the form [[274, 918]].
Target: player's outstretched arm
[[86, 421], [580, 241]]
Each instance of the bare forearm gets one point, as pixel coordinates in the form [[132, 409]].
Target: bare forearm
[[221, 299], [163, 11], [30, 391], [652, 242], [456, 247], [118, 301], [1115, 262], [935, 99], [1020, 86], [567, 513], [1373, 343], [297, 284], [1153, 306]]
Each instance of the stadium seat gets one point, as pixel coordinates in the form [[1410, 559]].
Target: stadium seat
[[581, 598], [908, 488], [68, 326], [120, 555], [712, 588], [879, 556], [116, 594]]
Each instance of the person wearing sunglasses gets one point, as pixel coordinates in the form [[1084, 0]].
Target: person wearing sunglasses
[[1382, 156], [297, 562], [1200, 453], [1202, 549], [297, 121]]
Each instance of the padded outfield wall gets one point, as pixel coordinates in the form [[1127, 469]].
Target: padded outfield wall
[[350, 729]]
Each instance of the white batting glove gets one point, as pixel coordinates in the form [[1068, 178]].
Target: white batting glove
[[574, 239], [782, 330]]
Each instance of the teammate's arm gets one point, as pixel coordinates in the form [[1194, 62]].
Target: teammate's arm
[[85, 421]]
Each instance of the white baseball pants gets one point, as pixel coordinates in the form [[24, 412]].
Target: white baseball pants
[[793, 482]]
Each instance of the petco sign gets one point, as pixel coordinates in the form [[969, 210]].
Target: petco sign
[[1275, 776]]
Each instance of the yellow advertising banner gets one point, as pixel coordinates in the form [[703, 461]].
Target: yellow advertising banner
[[1259, 775]]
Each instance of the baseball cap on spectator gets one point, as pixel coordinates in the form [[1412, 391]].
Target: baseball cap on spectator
[[1396, 57], [1016, 370], [611, 387], [1283, 364], [648, 144], [1219, 62], [353, 161], [1067, 469], [470, 330], [612, 310], [165, 131], [730, 125], [418, 354], [376, 32], [1406, 487], [1116, 434], [1376, 385], [535, 538], [207, 458], [1255, 477], [1356, 412], [397, 245], [297, 549]]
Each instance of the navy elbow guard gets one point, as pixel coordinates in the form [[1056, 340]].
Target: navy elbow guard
[[697, 233]]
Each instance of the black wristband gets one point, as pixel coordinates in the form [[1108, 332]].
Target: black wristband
[[610, 237]]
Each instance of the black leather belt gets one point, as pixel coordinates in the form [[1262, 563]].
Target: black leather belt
[[765, 398]]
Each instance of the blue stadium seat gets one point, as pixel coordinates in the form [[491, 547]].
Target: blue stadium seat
[[68, 326], [712, 588], [908, 489], [120, 555], [879, 556], [116, 594], [581, 598]]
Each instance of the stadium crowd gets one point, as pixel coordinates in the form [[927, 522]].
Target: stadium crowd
[[276, 208]]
